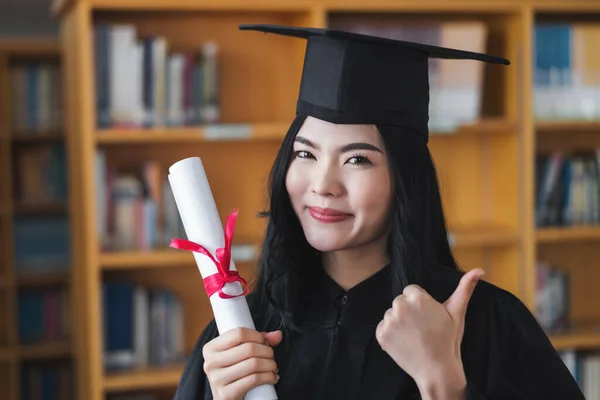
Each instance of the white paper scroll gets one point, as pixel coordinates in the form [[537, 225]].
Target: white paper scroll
[[202, 224]]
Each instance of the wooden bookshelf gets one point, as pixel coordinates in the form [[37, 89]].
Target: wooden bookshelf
[[145, 259], [146, 378], [20, 52], [568, 234], [486, 168], [192, 134], [581, 341]]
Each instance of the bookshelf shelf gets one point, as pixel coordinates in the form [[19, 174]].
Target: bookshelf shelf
[[202, 5], [6, 354], [45, 351], [5, 208], [38, 137], [145, 259], [569, 234], [45, 279], [483, 236], [567, 127], [26, 46], [52, 208], [578, 341], [420, 6], [193, 134], [143, 379], [484, 128]]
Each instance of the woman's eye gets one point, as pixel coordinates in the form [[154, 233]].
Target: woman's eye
[[358, 159], [302, 154]]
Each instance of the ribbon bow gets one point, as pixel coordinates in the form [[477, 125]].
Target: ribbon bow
[[214, 283]]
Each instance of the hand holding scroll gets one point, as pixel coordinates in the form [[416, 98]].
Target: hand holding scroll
[[424, 337], [239, 360]]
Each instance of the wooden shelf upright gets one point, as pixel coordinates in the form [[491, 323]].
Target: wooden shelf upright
[[486, 168]]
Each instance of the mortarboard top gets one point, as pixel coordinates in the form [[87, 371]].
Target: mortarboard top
[[351, 78]]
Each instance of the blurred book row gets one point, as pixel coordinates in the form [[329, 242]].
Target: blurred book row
[[566, 71], [47, 381], [43, 315], [40, 174], [136, 208], [585, 367], [142, 326], [142, 82], [552, 298], [568, 188], [41, 244], [36, 97]]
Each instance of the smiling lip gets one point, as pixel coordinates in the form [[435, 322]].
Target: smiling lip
[[327, 214]]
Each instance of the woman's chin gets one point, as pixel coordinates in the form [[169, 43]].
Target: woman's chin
[[325, 245]]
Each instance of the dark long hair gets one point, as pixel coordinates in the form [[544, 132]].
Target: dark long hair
[[418, 237]]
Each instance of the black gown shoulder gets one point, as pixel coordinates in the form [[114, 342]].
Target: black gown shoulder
[[506, 355]]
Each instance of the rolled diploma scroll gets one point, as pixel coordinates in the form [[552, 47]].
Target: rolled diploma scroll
[[202, 225]]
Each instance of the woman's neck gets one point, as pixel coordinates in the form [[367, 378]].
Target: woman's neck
[[351, 266]]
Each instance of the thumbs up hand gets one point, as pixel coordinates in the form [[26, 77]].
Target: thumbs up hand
[[424, 336]]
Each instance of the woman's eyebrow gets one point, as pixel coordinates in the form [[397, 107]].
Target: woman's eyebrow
[[343, 149], [359, 146]]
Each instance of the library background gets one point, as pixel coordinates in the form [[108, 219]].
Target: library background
[[99, 97]]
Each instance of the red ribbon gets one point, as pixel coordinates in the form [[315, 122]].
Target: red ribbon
[[215, 283]]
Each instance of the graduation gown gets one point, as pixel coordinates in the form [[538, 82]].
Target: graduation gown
[[506, 354]]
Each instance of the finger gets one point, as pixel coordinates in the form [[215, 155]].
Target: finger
[[273, 338], [457, 303], [240, 353], [413, 291], [233, 338], [225, 376], [242, 386]]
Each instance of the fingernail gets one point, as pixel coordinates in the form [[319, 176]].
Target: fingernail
[[277, 377]]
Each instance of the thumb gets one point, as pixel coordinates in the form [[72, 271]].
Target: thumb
[[273, 338], [457, 303]]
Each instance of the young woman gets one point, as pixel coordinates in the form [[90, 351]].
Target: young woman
[[358, 295]]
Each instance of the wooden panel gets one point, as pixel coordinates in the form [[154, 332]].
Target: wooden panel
[[589, 340], [182, 135], [568, 138], [76, 36], [459, 167], [45, 351], [146, 379], [568, 234], [501, 180], [8, 303], [526, 157], [263, 90], [7, 383], [500, 264], [36, 47], [6, 323]]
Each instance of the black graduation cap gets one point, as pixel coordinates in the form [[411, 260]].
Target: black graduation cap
[[351, 78]]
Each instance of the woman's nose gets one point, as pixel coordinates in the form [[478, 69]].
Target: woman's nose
[[325, 181]]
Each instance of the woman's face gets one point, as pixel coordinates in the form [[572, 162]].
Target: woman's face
[[339, 184]]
